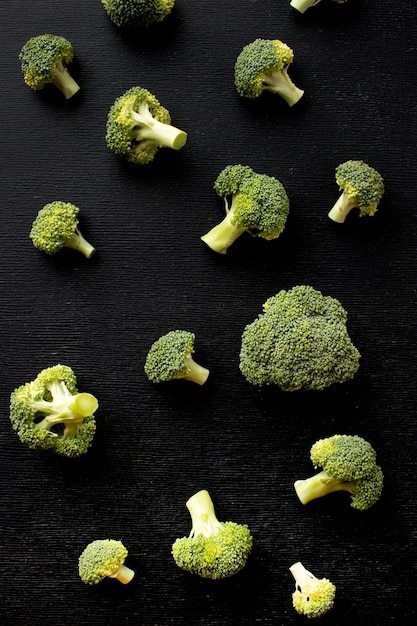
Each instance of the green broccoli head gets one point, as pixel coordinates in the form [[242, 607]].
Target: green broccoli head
[[170, 358], [255, 203], [300, 341], [56, 227], [263, 66], [313, 596], [348, 463], [213, 549], [302, 5], [49, 413], [44, 60], [135, 13], [138, 125], [104, 558], [362, 188]]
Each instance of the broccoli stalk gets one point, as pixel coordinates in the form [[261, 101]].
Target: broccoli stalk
[[280, 83], [77, 242], [63, 80], [221, 237], [148, 128], [302, 5], [203, 517], [320, 485]]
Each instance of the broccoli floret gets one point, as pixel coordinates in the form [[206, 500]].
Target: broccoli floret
[[137, 125], [170, 357], [134, 13], [348, 463], [56, 227], [299, 341], [44, 60], [104, 558], [263, 66], [213, 549], [48, 413], [313, 596], [302, 5], [255, 203], [362, 188]]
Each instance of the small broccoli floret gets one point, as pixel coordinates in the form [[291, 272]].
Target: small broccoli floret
[[134, 13], [56, 227], [213, 549], [49, 413], [348, 463], [255, 203], [263, 66], [313, 596], [302, 5], [104, 558], [137, 125], [44, 60], [300, 341], [362, 188], [170, 357]]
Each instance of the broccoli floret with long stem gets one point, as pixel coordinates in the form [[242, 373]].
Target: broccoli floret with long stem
[[362, 188], [135, 13], [44, 60], [213, 549], [49, 413], [263, 66], [313, 596], [104, 558], [255, 203], [348, 463], [302, 5], [170, 358], [138, 125], [56, 227]]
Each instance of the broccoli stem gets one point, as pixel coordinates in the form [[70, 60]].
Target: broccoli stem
[[279, 82], [195, 372], [303, 5], [221, 237], [320, 485], [151, 129], [203, 518], [342, 208], [77, 242], [124, 574], [62, 79], [65, 408]]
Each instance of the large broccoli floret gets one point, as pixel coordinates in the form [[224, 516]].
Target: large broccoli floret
[[49, 413], [170, 358], [56, 227], [302, 5], [213, 549], [104, 558], [132, 13], [313, 596], [300, 341], [362, 188], [137, 125], [263, 66], [348, 463], [44, 60], [255, 203]]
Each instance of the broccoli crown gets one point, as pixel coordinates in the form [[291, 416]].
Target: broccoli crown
[[362, 184], [313, 596], [170, 357], [133, 13], [100, 559], [49, 413], [300, 341]]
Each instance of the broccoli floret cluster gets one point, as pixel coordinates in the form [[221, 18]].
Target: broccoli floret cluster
[[133, 13], [170, 358], [299, 341], [104, 558], [302, 5], [313, 596], [362, 188]]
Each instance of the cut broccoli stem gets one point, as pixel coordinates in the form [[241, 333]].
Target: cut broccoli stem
[[63, 80], [65, 409], [196, 373], [77, 242], [279, 82], [221, 237], [303, 5], [151, 129], [124, 574], [320, 485], [342, 208], [203, 517]]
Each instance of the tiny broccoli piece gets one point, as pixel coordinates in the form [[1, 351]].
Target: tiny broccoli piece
[[299, 341], [137, 125], [135, 13], [348, 463], [49, 413], [56, 227], [213, 549], [362, 188], [255, 203], [170, 357], [44, 60], [104, 558], [263, 66], [313, 596], [302, 5]]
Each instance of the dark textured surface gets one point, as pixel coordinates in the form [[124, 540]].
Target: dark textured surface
[[157, 445]]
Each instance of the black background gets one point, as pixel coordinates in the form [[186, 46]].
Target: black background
[[156, 445]]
